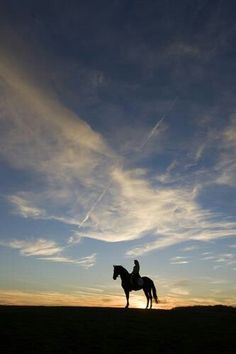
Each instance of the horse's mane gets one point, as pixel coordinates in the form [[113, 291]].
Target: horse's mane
[[122, 268]]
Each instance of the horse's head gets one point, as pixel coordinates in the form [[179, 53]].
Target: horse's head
[[116, 271]]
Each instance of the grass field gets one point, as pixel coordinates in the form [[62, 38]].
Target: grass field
[[56, 330]]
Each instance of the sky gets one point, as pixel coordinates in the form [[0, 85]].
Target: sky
[[117, 142]]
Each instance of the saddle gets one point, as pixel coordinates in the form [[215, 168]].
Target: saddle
[[136, 282]]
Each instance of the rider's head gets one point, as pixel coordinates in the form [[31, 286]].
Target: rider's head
[[135, 261]]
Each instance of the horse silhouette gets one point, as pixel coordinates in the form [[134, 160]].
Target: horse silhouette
[[127, 284]]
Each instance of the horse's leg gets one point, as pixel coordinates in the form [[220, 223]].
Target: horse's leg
[[127, 298], [147, 297], [150, 297]]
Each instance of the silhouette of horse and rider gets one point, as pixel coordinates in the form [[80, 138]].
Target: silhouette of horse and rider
[[133, 281]]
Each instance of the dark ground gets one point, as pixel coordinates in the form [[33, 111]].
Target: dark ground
[[78, 330]]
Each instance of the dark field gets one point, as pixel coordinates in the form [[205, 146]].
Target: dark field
[[67, 330]]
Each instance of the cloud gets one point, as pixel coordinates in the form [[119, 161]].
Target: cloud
[[133, 208], [230, 133], [220, 259], [74, 166], [183, 283], [47, 250], [85, 262], [178, 48], [226, 167], [174, 300], [24, 207], [179, 260], [179, 291], [68, 159], [130, 209], [200, 151], [24, 204], [40, 133], [40, 247], [57, 298], [190, 248]]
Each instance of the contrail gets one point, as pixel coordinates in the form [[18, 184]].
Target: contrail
[[94, 205], [157, 125], [152, 132]]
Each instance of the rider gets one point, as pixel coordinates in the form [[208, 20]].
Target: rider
[[135, 276]]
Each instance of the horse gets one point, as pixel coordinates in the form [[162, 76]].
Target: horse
[[126, 283]]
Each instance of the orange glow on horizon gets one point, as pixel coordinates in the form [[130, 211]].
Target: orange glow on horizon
[[21, 298]]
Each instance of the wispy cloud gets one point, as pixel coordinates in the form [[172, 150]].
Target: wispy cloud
[[57, 298], [175, 297], [85, 262], [24, 207], [178, 48], [179, 291], [170, 214], [40, 135], [39, 132], [40, 247], [81, 182], [226, 166], [47, 250], [179, 260], [190, 248], [220, 259], [135, 206]]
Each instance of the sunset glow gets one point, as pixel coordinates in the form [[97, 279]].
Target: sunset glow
[[117, 142]]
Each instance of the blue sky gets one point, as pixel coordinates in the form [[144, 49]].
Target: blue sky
[[117, 141]]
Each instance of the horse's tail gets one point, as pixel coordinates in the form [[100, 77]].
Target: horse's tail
[[154, 293]]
